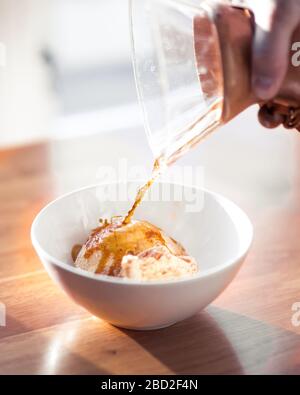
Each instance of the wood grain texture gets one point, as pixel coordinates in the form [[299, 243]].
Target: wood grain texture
[[269, 283], [213, 342], [248, 330]]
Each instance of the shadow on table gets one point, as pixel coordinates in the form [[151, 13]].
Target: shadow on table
[[195, 346], [218, 341]]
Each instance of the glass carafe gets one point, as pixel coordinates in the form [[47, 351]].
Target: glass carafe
[[177, 111], [192, 61]]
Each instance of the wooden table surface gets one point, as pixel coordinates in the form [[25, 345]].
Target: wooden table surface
[[249, 329]]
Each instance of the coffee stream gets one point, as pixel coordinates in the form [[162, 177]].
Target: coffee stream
[[161, 163], [157, 168]]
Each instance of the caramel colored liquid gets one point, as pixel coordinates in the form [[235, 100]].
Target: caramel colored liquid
[[142, 191], [114, 240], [160, 163]]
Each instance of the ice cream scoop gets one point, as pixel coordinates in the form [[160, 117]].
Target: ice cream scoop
[[107, 245], [157, 263]]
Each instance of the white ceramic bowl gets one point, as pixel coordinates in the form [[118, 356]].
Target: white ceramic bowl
[[211, 228]]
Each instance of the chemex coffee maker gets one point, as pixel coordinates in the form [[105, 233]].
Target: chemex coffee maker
[[192, 62]]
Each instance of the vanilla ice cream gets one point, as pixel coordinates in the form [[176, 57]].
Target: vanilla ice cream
[[157, 263], [137, 250]]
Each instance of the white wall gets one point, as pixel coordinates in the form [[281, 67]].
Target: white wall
[[83, 37], [26, 103], [89, 33]]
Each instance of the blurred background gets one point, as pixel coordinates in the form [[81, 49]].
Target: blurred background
[[66, 76], [62, 57]]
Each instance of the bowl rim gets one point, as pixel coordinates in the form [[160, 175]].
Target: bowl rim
[[131, 282]]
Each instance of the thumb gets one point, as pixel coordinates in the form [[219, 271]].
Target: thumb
[[275, 24]]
